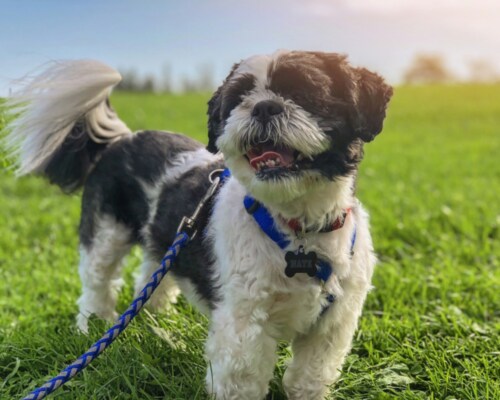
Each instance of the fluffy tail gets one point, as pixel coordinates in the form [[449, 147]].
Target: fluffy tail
[[61, 121]]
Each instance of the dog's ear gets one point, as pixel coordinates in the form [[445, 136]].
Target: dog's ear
[[370, 103], [214, 114], [364, 93], [214, 119]]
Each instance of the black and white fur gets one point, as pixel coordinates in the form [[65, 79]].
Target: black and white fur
[[137, 187]]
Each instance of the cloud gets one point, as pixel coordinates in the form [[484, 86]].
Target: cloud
[[429, 6], [464, 8]]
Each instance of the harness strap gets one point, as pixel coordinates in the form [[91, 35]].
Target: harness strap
[[266, 222], [264, 219], [225, 175]]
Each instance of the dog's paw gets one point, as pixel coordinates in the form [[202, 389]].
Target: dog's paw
[[82, 324], [112, 318], [299, 388], [161, 306], [82, 320]]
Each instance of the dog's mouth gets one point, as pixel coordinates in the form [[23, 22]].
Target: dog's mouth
[[268, 159]]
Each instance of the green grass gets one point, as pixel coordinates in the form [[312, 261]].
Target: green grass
[[430, 328]]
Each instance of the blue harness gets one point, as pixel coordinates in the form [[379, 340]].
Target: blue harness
[[264, 219]]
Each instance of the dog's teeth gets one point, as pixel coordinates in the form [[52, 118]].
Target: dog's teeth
[[270, 163]]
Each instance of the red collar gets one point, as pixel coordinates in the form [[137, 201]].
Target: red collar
[[296, 226]]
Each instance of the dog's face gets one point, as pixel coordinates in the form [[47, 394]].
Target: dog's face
[[292, 121]]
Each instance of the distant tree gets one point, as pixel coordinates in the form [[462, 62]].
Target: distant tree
[[427, 68], [148, 84], [188, 85], [205, 78], [483, 71], [133, 83], [130, 81], [202, 82], [166, 79]]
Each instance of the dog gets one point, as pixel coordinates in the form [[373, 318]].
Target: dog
[[290, 127]]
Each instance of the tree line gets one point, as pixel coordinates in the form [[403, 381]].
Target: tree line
[[432, 68], [425, 68], [203, 81]]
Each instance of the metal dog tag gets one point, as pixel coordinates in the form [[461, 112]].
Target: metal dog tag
[[300, 262]]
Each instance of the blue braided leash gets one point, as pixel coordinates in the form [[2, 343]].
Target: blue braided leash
[[102, 344]]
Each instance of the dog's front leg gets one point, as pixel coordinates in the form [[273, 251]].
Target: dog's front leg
[[241, 354], [318, 355]]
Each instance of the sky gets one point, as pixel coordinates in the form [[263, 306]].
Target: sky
[[383, 35]]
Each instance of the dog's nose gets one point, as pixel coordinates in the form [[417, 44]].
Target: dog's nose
[[264, 110]]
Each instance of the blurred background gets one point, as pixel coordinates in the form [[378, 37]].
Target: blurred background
[[429, 328], [185, 46]]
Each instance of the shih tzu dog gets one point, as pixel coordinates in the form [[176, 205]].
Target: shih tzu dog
[[284, 252]]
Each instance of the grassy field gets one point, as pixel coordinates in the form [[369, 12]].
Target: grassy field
[[430, 328]]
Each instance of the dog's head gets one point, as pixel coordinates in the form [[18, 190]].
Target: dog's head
[[294, 120]]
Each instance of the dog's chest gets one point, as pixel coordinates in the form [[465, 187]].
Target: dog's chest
[[294, 312], [252, 278], [250, 270]]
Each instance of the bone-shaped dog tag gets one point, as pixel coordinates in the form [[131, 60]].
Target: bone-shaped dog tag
[[300, 262]]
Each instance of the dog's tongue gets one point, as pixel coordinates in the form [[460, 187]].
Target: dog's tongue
[[257, 156]]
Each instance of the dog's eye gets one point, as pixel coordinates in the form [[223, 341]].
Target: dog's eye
[[234, 93]]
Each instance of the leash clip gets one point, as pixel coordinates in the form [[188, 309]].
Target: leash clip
[[188, 224]]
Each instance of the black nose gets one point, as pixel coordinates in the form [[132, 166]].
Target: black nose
[[264, 110]]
